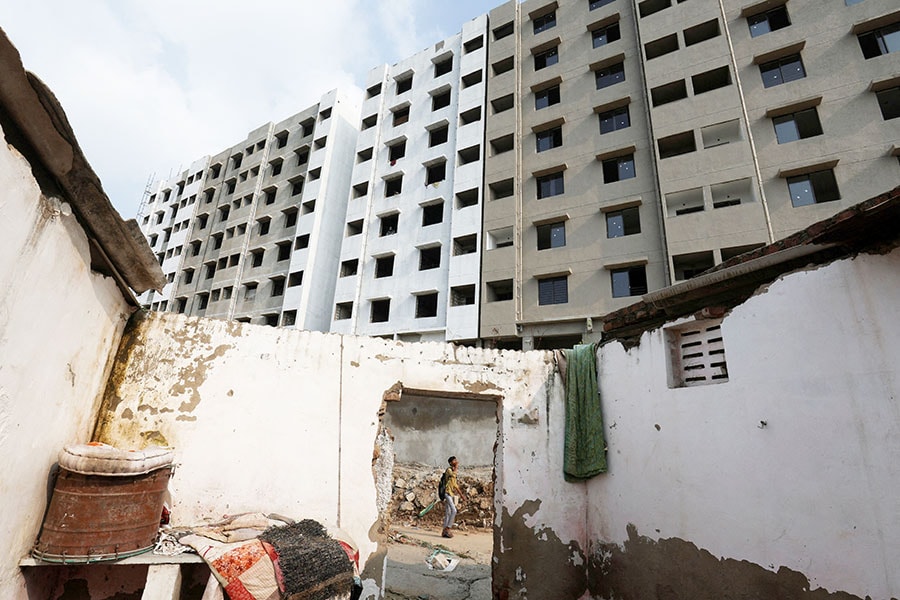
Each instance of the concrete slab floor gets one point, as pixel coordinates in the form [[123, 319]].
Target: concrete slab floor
[[409, 578]]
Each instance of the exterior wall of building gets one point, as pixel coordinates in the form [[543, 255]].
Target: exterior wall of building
[[704, 171], [389, 217], [589, 253], [738, 172], [55, 348], [787, 470], [253, 233], [315, 399]]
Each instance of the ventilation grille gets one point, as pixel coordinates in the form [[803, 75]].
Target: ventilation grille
[[700, 356]]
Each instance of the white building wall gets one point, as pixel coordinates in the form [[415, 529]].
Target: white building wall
[[362, 180], [55, 350], [793, 461], [175, 200], [315, 400], [465, 269], [313, 300], [408, 281], [321, 207]]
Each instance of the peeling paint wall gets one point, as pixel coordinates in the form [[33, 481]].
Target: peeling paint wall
[[783, 480], [59, 325], [286, 421]]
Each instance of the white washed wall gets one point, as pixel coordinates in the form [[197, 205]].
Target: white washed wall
[[59, 327], [814, 489], [285, 420]]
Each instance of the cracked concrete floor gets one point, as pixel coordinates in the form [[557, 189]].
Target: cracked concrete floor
[[409, 578]]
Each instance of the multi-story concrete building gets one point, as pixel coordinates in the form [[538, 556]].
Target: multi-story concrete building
[[540, 169], [410, 260], [632, 144], [253, 233]]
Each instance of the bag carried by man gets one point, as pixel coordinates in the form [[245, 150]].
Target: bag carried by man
[[442, 486]]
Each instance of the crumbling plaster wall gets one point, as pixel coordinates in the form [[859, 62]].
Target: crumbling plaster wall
[[791, 466], [59, 324], [286, 421]]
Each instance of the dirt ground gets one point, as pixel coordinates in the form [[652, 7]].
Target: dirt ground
[[408, 576]]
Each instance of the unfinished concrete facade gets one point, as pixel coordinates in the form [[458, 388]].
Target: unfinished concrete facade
[[253, 233], [635, 144]]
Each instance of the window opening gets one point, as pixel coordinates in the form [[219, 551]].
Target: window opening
[[551, 235], [553, 290]]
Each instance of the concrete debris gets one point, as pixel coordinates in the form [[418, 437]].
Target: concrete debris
[[415, 488]]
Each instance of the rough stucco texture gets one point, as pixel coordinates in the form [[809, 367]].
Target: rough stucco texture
[[286, 421]]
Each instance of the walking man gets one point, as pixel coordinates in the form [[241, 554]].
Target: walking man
[[453, 495]]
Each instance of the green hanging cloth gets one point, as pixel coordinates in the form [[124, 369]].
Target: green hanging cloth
[[585, 451]]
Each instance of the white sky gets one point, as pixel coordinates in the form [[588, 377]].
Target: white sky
[[150, 86]]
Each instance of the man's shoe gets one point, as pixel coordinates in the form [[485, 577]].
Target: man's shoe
[[446, 533]]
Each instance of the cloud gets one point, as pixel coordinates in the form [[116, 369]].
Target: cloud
[[151, 86]]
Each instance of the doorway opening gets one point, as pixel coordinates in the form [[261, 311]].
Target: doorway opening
[[418, 431]]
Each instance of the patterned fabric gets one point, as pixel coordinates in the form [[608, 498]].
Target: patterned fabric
[[244, 569]]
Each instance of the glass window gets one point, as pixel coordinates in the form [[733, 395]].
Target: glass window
[[880, 41], [550, 185], [813, 188], [546, 58], [770, 20], [631, 281], [551, 235], [783, 70], [605, 35], [552, 138], [618, 169], [889, 102], [546, 97], [545, 22], [623, 222], [615, 119], [610, 75], [797, 126]]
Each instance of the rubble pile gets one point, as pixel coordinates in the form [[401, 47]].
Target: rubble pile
[[415, 488]]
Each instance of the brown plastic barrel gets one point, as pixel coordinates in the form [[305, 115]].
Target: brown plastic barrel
[[94, 518]]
